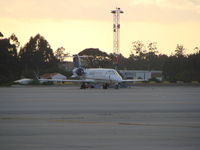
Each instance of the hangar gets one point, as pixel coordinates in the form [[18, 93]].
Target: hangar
[[142, 74]]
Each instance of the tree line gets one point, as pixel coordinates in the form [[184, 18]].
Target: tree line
[[37, 57], [176, 67], [33, 59]]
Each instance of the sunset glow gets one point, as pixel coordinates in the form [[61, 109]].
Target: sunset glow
[[81, 24]]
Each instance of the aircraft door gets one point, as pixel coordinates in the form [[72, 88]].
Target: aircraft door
[[108, 76]]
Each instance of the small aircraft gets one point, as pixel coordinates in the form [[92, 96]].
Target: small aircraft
[[24, 81], [103, 76]]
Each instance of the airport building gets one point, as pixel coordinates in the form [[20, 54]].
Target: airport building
[[54, 76], [141, 74]]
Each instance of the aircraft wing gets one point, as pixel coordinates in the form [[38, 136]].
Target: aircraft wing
[[65, 80], [133, 80]]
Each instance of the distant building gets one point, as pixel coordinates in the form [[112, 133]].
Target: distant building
[[141, 74], [53, 76]]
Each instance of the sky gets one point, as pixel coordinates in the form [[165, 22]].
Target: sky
[[79, 24]]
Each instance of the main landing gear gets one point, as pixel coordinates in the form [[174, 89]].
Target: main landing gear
[[83, 86], [86, 85], [105, 85]]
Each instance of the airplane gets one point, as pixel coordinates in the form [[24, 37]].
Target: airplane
[[103, 76], [24, 81]]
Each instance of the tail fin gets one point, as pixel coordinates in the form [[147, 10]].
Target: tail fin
[[76, 61], [78, 69]]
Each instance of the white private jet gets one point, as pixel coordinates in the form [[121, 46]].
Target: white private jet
[[106, 77], [24, 81]]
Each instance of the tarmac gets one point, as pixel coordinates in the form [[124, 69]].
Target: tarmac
[[67, 118]]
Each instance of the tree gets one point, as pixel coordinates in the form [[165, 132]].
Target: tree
[[96, 58], [37, 56], [14, 40], [60, 54], [194, 66], [179, 51], [152, 47], [151, 55], [197, 49], [9, 64], [138, 48], [1, 35], [142, 58]]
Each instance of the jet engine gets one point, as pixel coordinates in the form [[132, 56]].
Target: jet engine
[[78, 71]]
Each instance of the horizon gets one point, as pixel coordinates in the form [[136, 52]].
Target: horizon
[[88, 24]]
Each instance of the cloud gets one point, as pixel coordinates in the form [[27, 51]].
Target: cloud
[[52, 9], [161, 11]]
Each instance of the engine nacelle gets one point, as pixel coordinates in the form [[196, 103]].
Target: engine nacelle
[[78, 71]]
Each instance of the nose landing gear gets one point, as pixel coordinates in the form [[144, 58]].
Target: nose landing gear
[[117, 86]]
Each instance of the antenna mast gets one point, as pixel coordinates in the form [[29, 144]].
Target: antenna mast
[[116, 34]]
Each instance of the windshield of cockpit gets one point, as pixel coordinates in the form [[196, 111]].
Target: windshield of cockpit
[[112, 72]]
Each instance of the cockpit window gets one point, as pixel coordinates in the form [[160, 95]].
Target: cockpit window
[[111, 72], [115, 72]]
